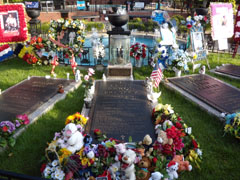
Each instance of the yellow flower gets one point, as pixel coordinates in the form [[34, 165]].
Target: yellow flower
[[166, 112], [79, 32], [69, 119], [80, 153], [158, 107], [64, 153], [79, 38], [84, 120], [82, 40], [195, 56], [84, 161]]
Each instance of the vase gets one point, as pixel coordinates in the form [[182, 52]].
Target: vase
[[88, 103], [138, 62], [178, 73]]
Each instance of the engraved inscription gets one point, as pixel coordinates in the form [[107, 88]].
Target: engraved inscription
[[230, 69], [121, 109], [27, 96], [221, 96]]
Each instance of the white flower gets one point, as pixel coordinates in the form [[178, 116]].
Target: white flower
[[200, 17], [55, 163], [199, 152], [59, 175], [196, 18], [47, 171], [167, 124], [188, 130], [91, 71]]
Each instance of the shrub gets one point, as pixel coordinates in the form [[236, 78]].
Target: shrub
[[98, 25]]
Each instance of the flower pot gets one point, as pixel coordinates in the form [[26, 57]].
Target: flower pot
[[178, 73], [87, 103]]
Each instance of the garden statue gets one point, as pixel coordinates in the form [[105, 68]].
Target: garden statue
[[72, 36], [77, 76]]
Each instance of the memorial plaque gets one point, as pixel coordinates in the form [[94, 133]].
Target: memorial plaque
[[121, 109], [119, 72], [230, 70], [27, 96], [215, 93]]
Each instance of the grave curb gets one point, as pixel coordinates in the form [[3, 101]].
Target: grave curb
[[222, 74], [44, 108], [190, 97]]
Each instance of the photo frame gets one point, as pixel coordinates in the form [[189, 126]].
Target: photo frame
[[13, 26], [198, 43], [221, 20]]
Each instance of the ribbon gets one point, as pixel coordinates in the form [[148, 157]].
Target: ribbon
[[54, 63], [193, 156]]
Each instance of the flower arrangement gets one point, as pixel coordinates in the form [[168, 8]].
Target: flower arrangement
[[76, 118], [233, 124], [197, 21], [75, 28], [104, 159], [178, 60], [88, 83], [138, 50], [8, 128]]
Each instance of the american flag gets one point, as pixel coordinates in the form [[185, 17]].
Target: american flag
[[157, 75]]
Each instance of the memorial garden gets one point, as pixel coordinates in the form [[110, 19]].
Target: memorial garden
[[119, 110]]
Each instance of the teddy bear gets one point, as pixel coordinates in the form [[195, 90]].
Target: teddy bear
[[145, 172], [120, 150], [171, 169], [163, 139], [182, 165], [156, 176], [74, 138], [127, 164]]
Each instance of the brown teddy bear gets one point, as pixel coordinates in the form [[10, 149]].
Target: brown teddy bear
[[145, 169], [163, 139], [182, 165]]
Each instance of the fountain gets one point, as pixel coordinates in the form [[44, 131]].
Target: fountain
[[119, 46]]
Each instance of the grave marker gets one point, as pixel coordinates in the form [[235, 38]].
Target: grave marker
[[121, 109]]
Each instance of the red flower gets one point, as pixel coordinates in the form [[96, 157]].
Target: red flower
[[97, 132], [154, 160], [178, 125], [189, 26], [178, 144], [39, 40], [144, 55], [137, 57], [168, 149], [131, 53], [179, 118], [5, 128], [195, 144], [42, 168]]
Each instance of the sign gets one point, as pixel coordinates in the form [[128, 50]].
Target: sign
[[13, 27], [221, 20], [81, 5], [139, 5], [32, 5]]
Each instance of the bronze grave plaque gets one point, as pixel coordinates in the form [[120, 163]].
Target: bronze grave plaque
[[27, 96], [119, 72], [229, 69], [121, 109], [215, 93]]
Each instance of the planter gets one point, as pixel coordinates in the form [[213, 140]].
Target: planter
[[88, 103], [178, 73], [138, 63], [33, 13]]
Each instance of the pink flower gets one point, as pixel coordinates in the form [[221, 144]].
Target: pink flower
[[86, 77], [91, 71], [5, 128]]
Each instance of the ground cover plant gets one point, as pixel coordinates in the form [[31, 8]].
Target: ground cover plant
[[220, 154]]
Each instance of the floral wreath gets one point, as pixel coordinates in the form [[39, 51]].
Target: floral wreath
[[57, 30], [138, 50], [21, 21]]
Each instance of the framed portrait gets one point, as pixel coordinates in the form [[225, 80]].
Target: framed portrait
[[197, 43], [221, 20], [13, 27]]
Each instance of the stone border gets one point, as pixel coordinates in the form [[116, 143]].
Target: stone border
[[192, 98], [44, 108], [223, 74]]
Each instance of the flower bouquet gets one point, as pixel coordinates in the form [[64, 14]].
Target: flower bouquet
[[138, 51], [88, 83], [8, 129], [233, 124]]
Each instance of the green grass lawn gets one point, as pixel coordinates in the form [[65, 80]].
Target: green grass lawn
[[220, 154]]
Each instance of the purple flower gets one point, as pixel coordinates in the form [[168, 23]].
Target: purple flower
[[10, 125], [17, 123], [57, 135]]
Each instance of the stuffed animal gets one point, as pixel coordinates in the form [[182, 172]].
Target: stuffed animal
[[182, 165], [145, 172], [147, 140], [163, 139], [120, 150], [172, 168], [75, 138], [156, 176], [127, 164]]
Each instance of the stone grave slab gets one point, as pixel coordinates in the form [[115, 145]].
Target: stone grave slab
[[28, 95], [229, 69], [219, 95], [121, 109]]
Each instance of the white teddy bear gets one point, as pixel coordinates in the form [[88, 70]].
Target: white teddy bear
[[127, 165], [156, 176], [172, 168], [74, 138]]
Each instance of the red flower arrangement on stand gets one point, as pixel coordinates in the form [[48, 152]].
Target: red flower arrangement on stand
[[138, 51]]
